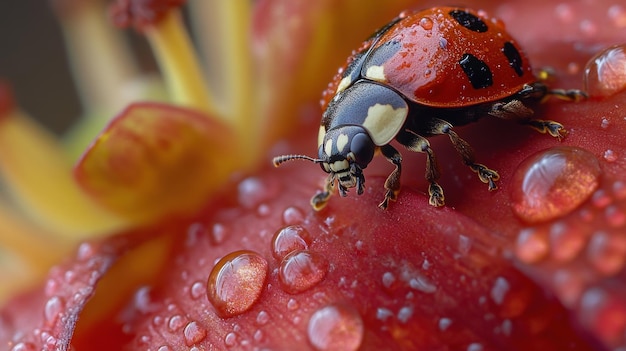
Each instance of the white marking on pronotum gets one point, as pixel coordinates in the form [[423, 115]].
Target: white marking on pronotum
[[376, 73], [384, 122]]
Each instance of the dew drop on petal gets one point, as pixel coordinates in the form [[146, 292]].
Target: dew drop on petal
[[566, 242], [301, 270], [253, 191], [552, 183], [53, 308], [175, 323], [24, 346], [194, 333], [262, 318], [292, 305], [289, 239], [218, 234], [230, 340], [531, 246], [85, 251], [444, 323], [236, 282], [475, 347], [197, 290], [293, 215], [605, 73], [337, 328], [499, 290], [607, 252]]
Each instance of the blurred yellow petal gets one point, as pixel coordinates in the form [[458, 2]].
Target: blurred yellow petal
[[37, 172], [156, 159]]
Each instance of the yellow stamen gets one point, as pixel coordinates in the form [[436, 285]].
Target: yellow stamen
[[179, 64], [38, 173]]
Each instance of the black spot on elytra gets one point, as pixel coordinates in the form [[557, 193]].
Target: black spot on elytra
[[477, 71], [469, 21], [514, 57]]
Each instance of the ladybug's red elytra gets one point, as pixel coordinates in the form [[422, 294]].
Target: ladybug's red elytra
[[418, 76]]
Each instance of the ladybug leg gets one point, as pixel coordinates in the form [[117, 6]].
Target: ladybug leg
[[319, 200], [485, 174], [392, 184], [517, 111], [418, 143]]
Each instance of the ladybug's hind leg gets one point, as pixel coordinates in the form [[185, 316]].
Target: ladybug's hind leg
[[418, 143], [485, 174]]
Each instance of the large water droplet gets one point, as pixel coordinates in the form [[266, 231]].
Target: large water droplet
[[301, 270], [552, 183], [236, 282], [289, 239], [336, 327], [605, 73], [194, 333]]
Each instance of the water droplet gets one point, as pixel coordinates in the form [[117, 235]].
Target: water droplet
[[218, 234], [610, 155], [617, 13], [197, 290], [566, 241], [85, 251], [253, 191], [607, 253], [426, 23], [588, 28], [605, 73], [52, 310], [293, 215], [175, 323], [194, 333], [292, 305], [262, 318], [230, 340], [465, 244], [164, 348], [388, 279], [499, 290], [263, 210], [337, 328], [615, 217], [600, 199], [422, 284], [568, 286], [475, 347], [236, 282], [301, 270], [444, 323], [195, 233], [24, 346], [564, 12], [405, 313], [604, 123], [383, 313], [552, 183], [289, 239], [531, 246]]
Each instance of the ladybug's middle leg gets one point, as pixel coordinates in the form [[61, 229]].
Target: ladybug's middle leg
[[418, 143], [485, 174]]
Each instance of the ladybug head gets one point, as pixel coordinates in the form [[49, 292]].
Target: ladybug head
[[344, 152]]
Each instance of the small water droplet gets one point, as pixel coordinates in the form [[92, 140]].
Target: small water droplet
[[337, 328], [292, 305], [564, 12], [554, 182], [600, 199], [85, 251], [301, 270], [531, 246], [426, 23], [607, 253], [475, 347], [465, 244], [506, 327], [605, 73], [615, 217], [195, 233], [230, 340], [236, 282], [604, 123], [568, 286], [258, 335], [588, 28], [388, 279], [262, 318], [253, 191], [289, 239], [444, 323], [293, 215], [383, 313], [610, 155], [405, 313], [175, 323], [53, 308], [566, 241], [617, 14], [194, 333], [263, 210], [24, 346], [197, 290], [218, 234], [163, 348], [422, 284], [499, 290]]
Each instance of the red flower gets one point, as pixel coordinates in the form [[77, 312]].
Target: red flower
[[219, 250]]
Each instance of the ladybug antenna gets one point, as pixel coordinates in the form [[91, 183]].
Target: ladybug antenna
[[278, 160]]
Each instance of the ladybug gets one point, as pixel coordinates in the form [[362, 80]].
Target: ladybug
[[419, 76]]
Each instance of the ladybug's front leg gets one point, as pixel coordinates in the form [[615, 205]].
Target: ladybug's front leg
[[392, 184], [319, 200]]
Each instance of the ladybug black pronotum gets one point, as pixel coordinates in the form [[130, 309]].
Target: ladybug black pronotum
[[417, 77]]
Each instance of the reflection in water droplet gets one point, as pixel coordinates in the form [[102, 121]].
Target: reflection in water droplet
[[301, 270], [194, 333], [605, 73], [289, 239], [552, 183], [336, 327], [236, 282]]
